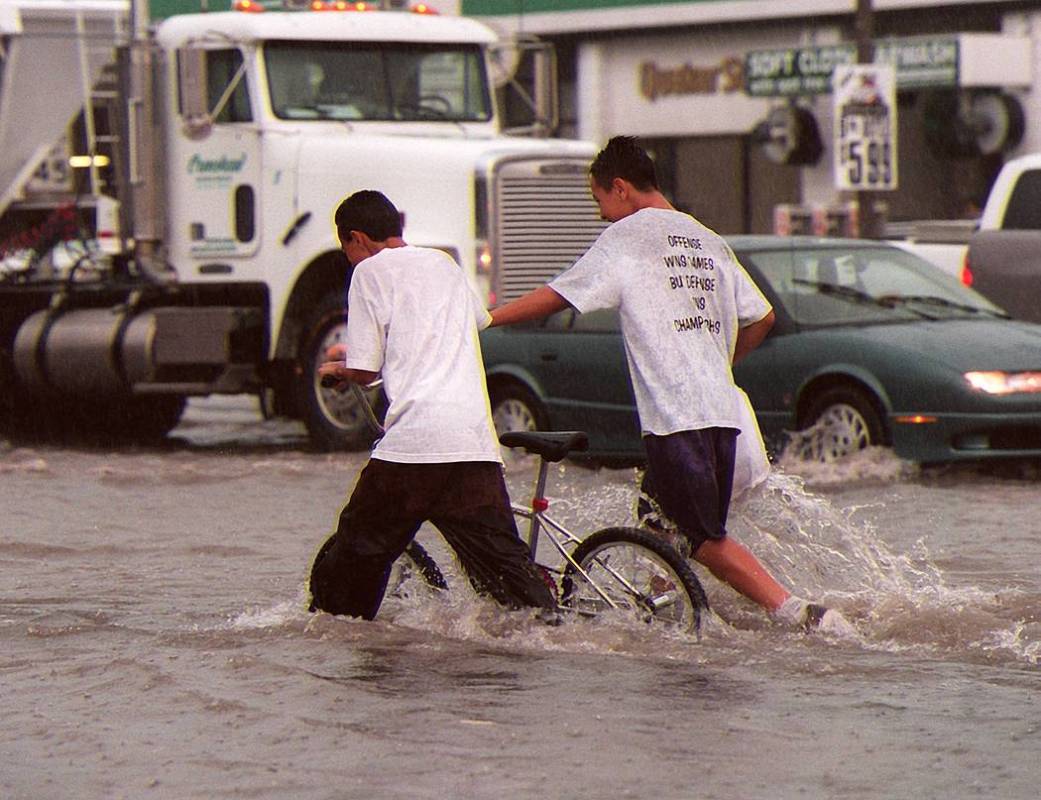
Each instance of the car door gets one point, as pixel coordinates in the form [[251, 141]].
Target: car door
[[767, 374], [586, 378]]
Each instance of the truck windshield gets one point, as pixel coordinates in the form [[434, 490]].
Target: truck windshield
[[377, 81]]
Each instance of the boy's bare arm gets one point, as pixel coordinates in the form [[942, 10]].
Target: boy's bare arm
[[749, 337], [535, 305]]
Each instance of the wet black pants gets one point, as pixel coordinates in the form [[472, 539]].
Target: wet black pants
[[467, 502]]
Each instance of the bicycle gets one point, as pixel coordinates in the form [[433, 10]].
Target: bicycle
[[618, 568]]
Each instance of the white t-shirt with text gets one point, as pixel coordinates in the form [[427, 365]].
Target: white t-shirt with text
[[682, 296], [413, 316]]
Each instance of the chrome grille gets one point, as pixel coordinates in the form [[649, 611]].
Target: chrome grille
[[546, 220]]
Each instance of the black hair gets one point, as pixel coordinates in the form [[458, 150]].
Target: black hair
[[622, 157], [371, 213]]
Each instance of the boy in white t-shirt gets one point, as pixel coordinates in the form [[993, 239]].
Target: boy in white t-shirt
[[413, 318], [688, 312]]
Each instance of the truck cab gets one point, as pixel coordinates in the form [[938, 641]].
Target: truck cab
[[244, 131]]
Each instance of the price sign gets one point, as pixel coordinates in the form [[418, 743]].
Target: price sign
[[865, 127]]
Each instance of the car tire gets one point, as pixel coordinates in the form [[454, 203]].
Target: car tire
[[847, 421], [515, 408]]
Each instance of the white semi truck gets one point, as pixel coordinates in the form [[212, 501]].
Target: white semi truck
[[189, 169]]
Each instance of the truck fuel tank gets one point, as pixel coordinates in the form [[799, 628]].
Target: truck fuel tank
[[98, 352]]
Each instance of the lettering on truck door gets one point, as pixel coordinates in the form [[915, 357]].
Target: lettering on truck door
[[221, 172]]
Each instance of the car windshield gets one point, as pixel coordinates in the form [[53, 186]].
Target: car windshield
[[377, 81], [863, 285]]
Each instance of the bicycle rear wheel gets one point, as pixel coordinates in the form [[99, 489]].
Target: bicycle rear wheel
[[415, 560], [640, 574]]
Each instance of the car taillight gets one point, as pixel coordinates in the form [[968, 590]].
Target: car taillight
[[966, 270]]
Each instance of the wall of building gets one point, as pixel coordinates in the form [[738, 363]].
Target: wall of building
[[674, 74]]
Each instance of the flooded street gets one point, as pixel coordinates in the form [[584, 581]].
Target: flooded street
[[155, 642]]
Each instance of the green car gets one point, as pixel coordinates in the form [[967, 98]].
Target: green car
[[872, 346]]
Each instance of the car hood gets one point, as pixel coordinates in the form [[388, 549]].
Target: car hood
[[962, 344]]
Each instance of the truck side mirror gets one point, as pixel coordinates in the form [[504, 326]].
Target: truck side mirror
[[193, 92], [525, 75]]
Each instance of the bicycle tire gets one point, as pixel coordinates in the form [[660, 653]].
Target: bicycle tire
[[428, 569], [415, 560], [662, 586]]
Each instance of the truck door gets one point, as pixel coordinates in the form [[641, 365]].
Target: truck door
[[221, 170]]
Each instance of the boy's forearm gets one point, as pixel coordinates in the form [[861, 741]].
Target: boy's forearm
[[535, 305], [749, 338]]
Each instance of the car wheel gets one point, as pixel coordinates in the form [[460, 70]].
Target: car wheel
[[840, 421], [514, 408]]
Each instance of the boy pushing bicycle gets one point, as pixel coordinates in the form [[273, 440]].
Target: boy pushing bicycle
[[414, 320], [688, 311]]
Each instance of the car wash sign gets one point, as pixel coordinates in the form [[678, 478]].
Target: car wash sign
[[865, 127], [920, 62]]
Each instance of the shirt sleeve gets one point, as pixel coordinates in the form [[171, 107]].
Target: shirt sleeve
[[366, 328], [591, 283], [752, 306], [482, 317]]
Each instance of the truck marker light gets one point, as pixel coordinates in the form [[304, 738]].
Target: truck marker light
[[82, 162], [249, 6]]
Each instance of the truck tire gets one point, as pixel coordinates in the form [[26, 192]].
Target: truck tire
[[123, 419], [334, 420], [148, 419]]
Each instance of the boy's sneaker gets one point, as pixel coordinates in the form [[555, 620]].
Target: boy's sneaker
[[827, 621]]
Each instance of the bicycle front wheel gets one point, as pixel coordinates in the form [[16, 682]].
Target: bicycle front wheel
[[640, 574]]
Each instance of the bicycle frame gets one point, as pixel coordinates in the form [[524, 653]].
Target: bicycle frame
[[558, 535]]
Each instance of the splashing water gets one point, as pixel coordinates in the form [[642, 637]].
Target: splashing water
[[896, 599]]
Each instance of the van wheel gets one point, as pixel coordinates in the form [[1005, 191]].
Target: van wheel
[[334, 419]]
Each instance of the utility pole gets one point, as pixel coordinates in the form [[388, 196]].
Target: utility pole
[[864, 30]]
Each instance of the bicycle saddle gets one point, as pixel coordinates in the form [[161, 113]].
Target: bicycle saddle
[[549, 445]]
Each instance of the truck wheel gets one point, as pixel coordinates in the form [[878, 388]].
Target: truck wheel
[[334, 419], [151, 418], [122, 419]]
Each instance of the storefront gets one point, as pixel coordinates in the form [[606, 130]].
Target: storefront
[[739, 110]]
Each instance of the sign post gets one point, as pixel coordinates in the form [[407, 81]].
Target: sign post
[[865, 128]]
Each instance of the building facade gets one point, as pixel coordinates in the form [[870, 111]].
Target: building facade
[[734, 96]]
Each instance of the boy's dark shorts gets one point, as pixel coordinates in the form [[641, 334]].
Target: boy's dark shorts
[[686, 487]]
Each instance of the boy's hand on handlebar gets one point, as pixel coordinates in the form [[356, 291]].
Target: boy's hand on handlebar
[[334, 373]]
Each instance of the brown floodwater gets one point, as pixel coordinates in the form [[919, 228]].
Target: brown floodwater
[[155, 642]]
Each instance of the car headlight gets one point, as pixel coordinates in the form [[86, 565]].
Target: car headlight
[[1005, 382]]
